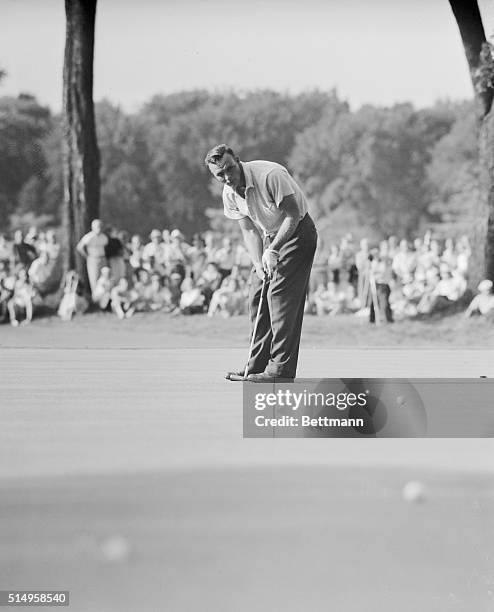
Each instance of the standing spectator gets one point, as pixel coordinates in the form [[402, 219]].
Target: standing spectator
[[334, 263], [177, 254], [92, 247], [347, 254], [6, 253], [7, 282], [135, 250], [380, 287], [24, 253], [403, 263], [152, 252], [362, 263], [449, 256], [463, 257]]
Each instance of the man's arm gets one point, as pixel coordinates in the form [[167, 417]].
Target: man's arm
[[81, 246], [287, 228], [253, 243], [289, 224]]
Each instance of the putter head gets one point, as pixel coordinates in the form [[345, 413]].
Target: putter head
[[235, 377]]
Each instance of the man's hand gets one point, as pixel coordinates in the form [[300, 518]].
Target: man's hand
[[259, 271], [270, 261]]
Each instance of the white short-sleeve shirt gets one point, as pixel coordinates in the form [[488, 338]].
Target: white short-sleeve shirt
[[267, 184]]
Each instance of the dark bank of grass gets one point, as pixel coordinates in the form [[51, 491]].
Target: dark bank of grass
[[160, 330]]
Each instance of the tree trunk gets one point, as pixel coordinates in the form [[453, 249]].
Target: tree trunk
[[472, 33], [80, 147]]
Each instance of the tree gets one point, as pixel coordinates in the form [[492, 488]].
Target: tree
[[481, 66], [80, 148], [24, 124]]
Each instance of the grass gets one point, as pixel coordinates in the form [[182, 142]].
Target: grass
[[160, 330]]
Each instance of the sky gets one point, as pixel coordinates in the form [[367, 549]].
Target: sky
[[372, 51]]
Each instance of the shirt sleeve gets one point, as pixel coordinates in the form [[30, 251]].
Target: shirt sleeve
[[279, 186], [230, 207], [83, 242]]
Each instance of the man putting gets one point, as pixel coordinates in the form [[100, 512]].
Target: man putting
[[281, 239]]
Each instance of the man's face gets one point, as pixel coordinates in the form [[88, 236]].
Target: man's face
[[227, 171]]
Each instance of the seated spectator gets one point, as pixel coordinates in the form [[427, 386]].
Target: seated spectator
[[449, 289], [40, 272], [142, 290], [114, 252], [174, 287], [192, 300], [228, 300], [21, 302], [483, 303], [72, 301], [101, 292], [159, 295], [427, 299], [210, 281], [123, 299], [198, 265], [350, 303], [327, 300]]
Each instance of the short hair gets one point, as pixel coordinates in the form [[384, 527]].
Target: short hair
[[217, 152]]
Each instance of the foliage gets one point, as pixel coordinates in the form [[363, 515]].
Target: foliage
[[376, 170]]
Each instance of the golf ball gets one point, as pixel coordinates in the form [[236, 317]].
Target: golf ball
[[115, 549], [414, 492]]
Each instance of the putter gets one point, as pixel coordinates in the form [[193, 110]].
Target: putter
[[236, 377]]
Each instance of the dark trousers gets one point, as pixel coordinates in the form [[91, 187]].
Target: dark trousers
[[277, 338], [383, 291]]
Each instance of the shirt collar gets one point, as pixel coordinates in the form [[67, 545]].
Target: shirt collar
[[248, 176]]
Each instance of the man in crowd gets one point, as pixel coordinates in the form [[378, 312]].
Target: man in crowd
[[92, 247], [281, 239]]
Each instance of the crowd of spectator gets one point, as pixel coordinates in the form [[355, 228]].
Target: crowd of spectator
[[210, 275]]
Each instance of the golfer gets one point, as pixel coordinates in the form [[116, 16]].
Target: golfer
[[281, 239]]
